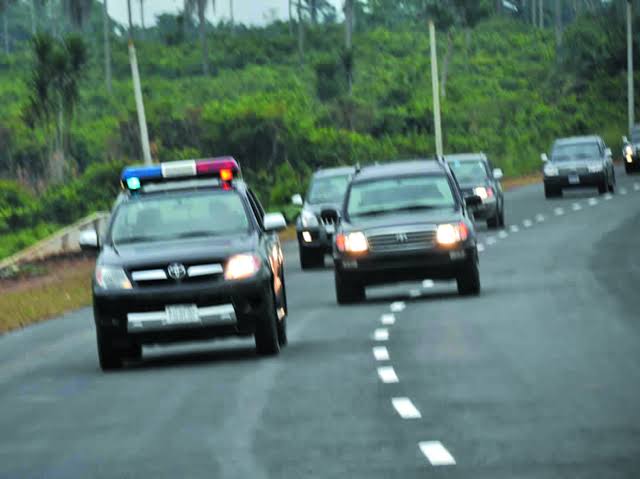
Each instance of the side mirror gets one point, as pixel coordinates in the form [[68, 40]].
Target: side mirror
[[88, 240], [544, 157], [297, 200], [498, 174], [274, 222], [625, 140], [472, 201], [608, 153]]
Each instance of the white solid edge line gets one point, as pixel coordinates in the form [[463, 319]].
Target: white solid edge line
[[387, 374], [436, 453], [388, 319], [381, 353], [405, 408], [381, 334], [428, 283], [397, 306]]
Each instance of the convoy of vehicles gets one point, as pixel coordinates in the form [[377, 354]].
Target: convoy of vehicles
[[578, 162], [189, 254]]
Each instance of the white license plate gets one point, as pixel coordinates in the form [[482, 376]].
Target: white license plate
[[330, 228], [182, 314], [574, 180]]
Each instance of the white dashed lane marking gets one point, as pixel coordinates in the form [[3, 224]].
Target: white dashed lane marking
[[503, 234], [514, 228], [636, 187], [397, 306], [558, 211], [623, 191], [428, 283], [415, 293], [388, 319], [480, 247], [387, 374], [593, 201], [539, 218], [491, 240], [381, 334], [576, 207], [381, 353], [527, 223], [608, 196], [405, 408], [436, 453]]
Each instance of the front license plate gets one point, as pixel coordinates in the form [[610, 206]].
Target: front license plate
[[182, 314], [330, 229], [574, 180]]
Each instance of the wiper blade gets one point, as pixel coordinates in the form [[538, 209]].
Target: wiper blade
[[419, 207], [372, 212], [194, 234], [135, 239]]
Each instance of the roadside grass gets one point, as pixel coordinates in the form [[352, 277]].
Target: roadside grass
[[517, 181], [28, 301]]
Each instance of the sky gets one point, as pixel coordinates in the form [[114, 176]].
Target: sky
[[246, 11]]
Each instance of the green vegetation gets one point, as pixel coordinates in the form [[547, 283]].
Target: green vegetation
[[510, 89]]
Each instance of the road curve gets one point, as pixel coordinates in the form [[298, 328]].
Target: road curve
[[538, 377]]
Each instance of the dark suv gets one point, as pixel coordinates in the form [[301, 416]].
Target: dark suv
[[476, 176], [405, 221], [316, 224], [581, 161], [189, 255], [631, 150]]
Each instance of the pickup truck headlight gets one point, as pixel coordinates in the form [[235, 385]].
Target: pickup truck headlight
[[308, 219], [451, 234], [109, 277], [628, 150], [355, 242], [242, 266], [550, 170], [595, 168]]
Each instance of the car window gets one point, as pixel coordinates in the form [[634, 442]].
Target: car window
[[469, 171], [162, 218], [397, 194], [258, 211], [575, 151], [328, 189]]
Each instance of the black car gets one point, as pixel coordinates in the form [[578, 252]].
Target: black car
[[189, 255], [582, 161], [631, 150], [405, 221], [476, 176], [315, 226]]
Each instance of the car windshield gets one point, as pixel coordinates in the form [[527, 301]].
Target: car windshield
[[400, 194], [469, 171], [193, 215], [635, 134], [575, 151], [328, 189]]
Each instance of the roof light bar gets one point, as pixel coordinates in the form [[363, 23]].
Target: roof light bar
[[225, 168]]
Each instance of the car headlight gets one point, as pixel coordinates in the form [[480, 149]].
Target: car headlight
[[484, 193], [595, 168], [451, 234], [308, 219], [550, 170], [109, 277], [628, 150], [355, 242], [242, 266]]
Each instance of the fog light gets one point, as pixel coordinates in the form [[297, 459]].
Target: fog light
[[306, 237]]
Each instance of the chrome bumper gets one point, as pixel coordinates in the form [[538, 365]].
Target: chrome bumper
[[157, 320]]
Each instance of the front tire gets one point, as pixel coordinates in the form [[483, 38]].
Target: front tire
[[551, 192], [603, 187], [348, 292], [310, 258], [469, 280], [108, 356], [266, 335]]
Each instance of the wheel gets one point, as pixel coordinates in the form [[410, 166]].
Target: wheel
[[108, 356], [603, 187], [266, 335], [501, 221], [551, 192], [493, 223], [469, 280], [627, 169], [310, 258], [612, 186], [282, 323], [348, 292]]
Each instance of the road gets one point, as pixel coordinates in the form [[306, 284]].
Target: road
[[536, 378]]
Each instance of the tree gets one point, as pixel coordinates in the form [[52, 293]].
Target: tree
[[200, 6], [4, 11], [54, 92], [78, 12], [106, 25], [142, 14]]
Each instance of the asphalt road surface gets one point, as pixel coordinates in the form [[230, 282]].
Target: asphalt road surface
[[538, 377]]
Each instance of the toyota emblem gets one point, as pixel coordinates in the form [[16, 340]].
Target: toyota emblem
[[176, 271], [402, 238]]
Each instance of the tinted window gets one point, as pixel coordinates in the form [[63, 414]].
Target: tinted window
[[469, 171], [328, 189], [161, 218], [635, 134], [575, 151], [398, 194]]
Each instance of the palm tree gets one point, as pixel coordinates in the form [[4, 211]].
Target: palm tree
[[201, 8], [78, 12], [142, 14], [106, 26]]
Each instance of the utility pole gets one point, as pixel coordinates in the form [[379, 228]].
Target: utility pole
[[107, 44], [137, 90], [630, 91], [300, 34], [348, 21], [558, 21], [436, 90], [541, 13]]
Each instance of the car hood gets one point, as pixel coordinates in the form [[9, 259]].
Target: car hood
[[318, 208], [190, 251], [467, 188], [414, 218]]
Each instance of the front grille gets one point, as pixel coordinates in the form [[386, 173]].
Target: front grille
[[402, 241], [573, 171]]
